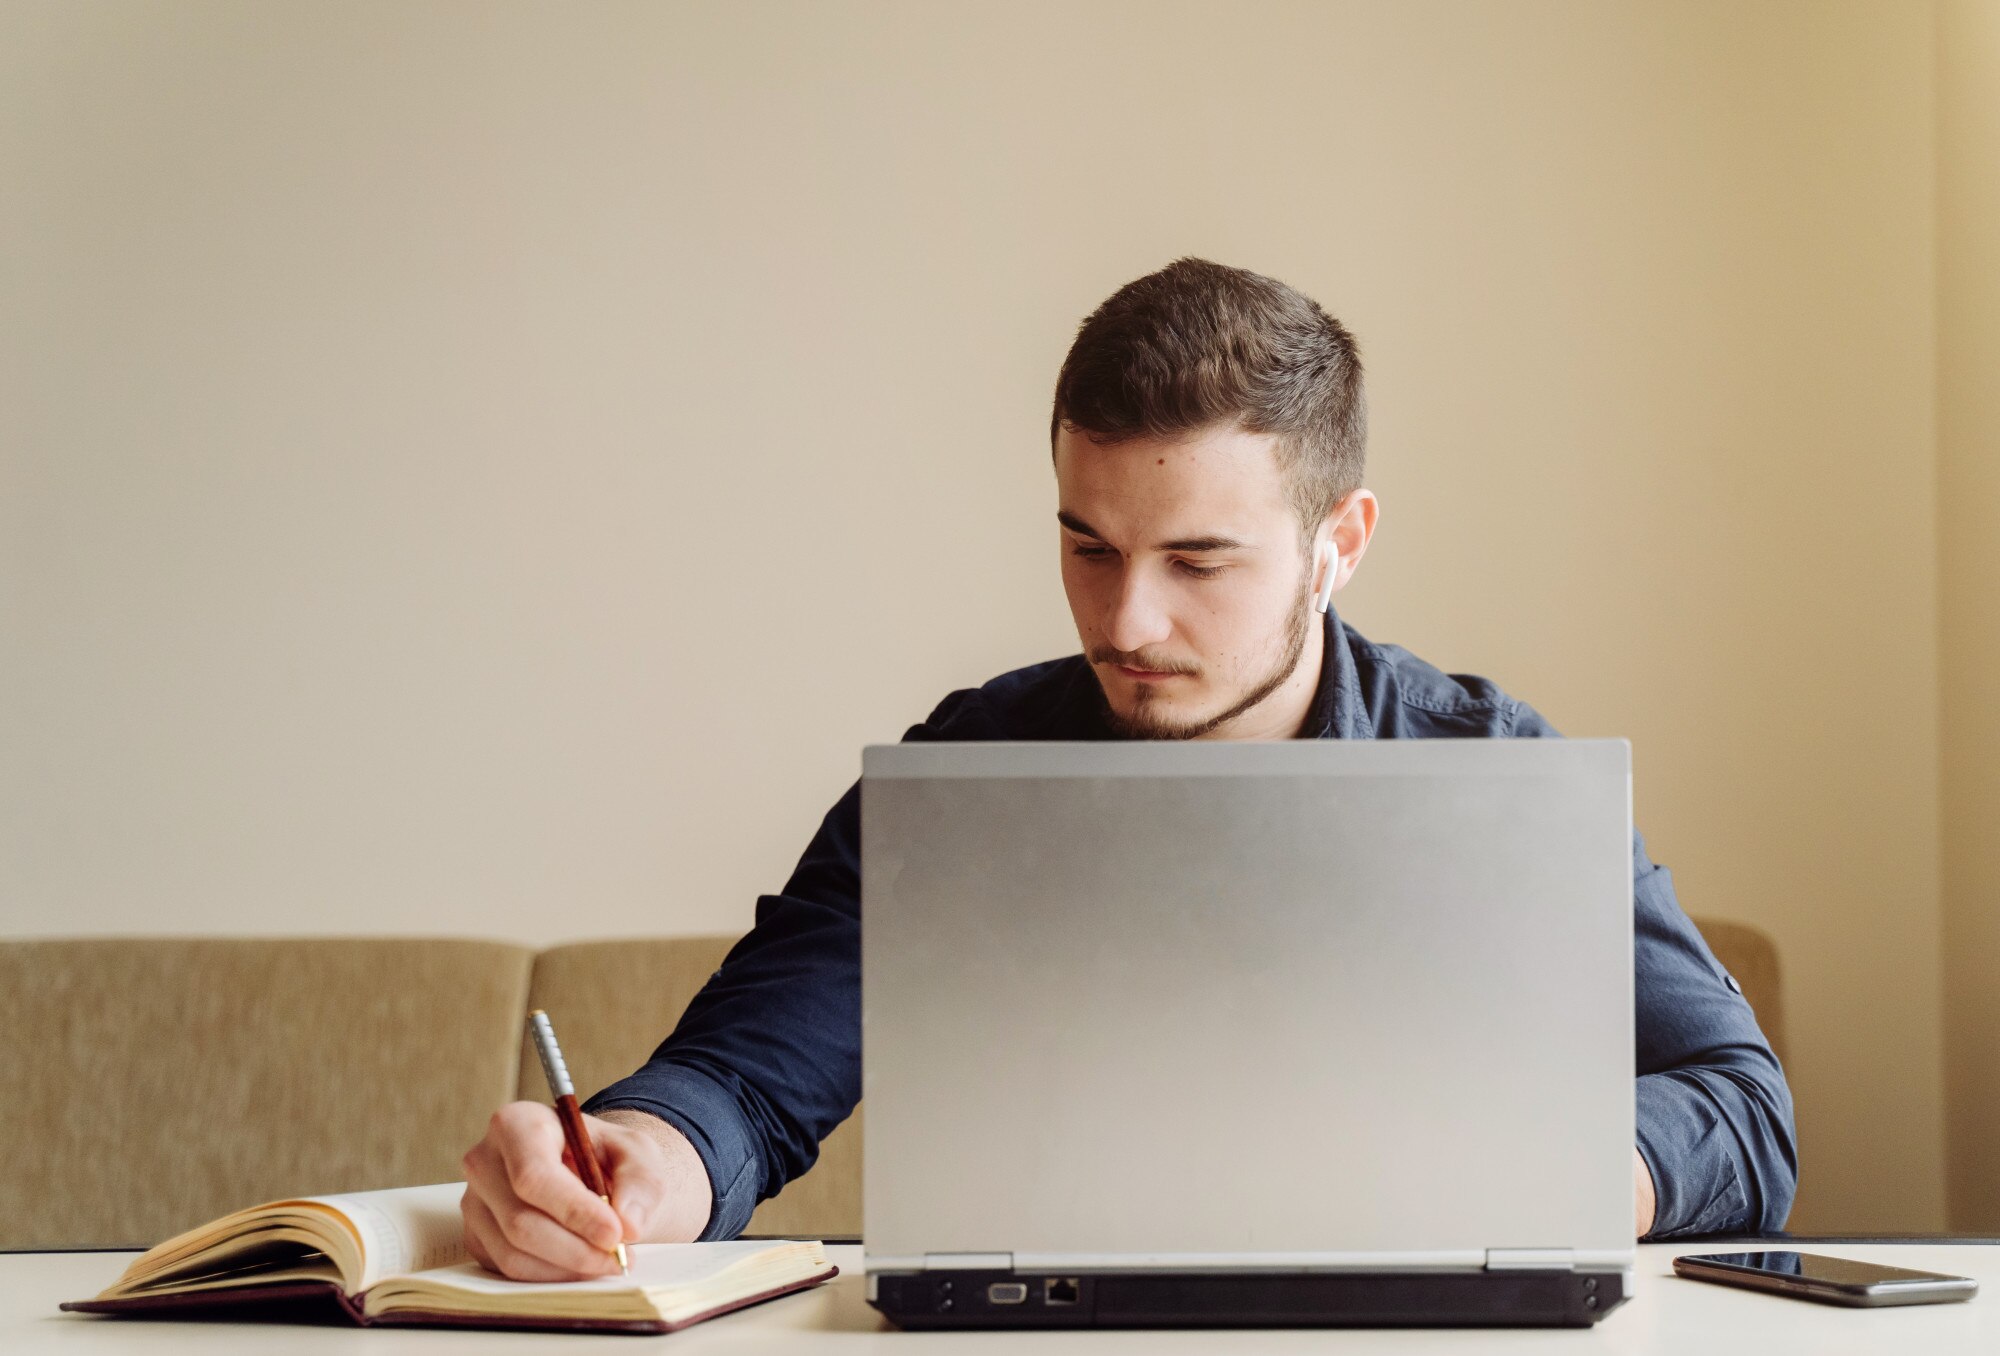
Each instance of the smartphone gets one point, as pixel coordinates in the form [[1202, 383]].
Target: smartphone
[[1830, 1280]]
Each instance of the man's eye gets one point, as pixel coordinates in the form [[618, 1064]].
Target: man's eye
[[1090, 552], [1200, 571]]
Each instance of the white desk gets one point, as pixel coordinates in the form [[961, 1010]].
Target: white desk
[[1665, 1315]]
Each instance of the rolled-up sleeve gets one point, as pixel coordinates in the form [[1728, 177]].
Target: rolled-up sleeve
[[766, 1060], [1714, 1112]]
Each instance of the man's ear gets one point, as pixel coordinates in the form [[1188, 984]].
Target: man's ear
[[1347, 528]]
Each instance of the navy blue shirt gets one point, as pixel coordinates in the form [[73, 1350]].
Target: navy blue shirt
[[767, 1059]]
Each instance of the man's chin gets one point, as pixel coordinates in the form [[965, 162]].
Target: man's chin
[[1156, 719]]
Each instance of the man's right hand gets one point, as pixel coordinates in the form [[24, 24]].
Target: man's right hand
[[529, 1216]]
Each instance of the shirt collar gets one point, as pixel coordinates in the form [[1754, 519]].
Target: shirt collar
[[1338, 711]]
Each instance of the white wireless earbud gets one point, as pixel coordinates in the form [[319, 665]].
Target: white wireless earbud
[[1328, 557]]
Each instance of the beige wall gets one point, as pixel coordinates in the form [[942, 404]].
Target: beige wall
[[1969, 574], [486, 468]]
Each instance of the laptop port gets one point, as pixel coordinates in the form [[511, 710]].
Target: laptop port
[[1007, 1292], [1059, 1290]]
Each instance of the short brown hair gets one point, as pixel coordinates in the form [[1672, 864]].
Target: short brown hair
[[1198, 343]]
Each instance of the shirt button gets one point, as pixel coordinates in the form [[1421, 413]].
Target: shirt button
[[1733, 985]]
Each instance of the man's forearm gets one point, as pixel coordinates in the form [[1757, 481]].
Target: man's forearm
[[1713, 1114], [1723, 1152]]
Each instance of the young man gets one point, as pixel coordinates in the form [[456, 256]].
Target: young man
[[1208, 432]]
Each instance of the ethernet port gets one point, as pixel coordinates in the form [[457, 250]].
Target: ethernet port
[[1060, 1290]]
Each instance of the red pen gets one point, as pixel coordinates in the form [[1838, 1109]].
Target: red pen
[[571, 1116]]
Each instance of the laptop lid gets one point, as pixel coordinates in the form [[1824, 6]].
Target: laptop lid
[[1303, 1004]]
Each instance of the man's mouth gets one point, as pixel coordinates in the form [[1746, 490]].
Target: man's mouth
[[1147, 675]]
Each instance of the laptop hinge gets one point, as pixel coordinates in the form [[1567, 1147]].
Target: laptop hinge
[[1531, 1259], [968, 1261]]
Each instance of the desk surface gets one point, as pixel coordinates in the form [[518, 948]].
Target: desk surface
[[1665, 1314]]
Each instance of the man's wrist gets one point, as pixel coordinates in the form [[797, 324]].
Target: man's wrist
[[1645, 1194], [690, 1197]]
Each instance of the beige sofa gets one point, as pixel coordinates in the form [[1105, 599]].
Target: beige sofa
[[155, 1083]]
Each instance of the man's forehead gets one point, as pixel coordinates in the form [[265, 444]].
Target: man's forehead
[[1218, 484]]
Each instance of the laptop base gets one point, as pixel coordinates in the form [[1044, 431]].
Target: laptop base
[[1236, 1299]]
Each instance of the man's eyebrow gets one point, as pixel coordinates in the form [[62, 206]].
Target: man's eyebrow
[[1193, 546]]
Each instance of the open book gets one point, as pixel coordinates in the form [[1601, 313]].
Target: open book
[[398, 1257]]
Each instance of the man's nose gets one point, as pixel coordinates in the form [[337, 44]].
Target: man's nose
[[1138, 613]]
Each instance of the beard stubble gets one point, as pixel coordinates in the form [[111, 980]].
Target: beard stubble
[[1143, 723]]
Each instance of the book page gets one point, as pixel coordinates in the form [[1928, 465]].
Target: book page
[[354, 1239], [667, 1281], [403, 1229], [656, 1266]]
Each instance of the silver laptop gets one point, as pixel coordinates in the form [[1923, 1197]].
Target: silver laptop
[[1310, 1032]]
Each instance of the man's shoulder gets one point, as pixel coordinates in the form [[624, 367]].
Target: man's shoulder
[[1049, 700], [1410, 697]]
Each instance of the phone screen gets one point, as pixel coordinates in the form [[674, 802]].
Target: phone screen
[[1811, 1266]]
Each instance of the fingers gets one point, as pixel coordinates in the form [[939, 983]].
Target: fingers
[[526, 1215], [531, 1149], [493, 1248], [634, 1169]]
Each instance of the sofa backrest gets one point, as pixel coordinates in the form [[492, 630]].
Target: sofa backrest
[[156, 1083]]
